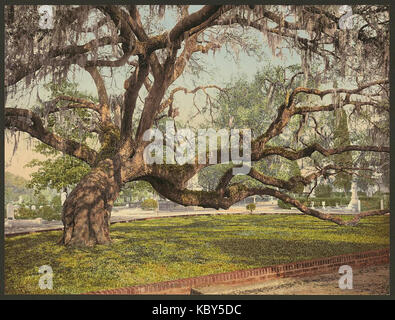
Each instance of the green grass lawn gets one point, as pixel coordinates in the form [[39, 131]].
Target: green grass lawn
[[172, 248]]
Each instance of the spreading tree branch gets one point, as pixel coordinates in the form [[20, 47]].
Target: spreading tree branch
[[29, 122]]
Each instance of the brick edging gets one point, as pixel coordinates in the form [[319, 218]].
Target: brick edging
[[295, 269]]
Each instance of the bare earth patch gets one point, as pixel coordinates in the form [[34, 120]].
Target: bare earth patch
[[372, 280]]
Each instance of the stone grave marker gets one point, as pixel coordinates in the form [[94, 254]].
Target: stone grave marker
[[63, 197], [353, 205], [10, 211]]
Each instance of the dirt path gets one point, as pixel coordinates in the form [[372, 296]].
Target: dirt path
[[367, 281]]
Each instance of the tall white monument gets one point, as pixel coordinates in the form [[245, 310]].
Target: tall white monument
[[63, 196], [353, 205]]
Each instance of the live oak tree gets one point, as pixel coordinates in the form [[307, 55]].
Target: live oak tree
[[100, 40]]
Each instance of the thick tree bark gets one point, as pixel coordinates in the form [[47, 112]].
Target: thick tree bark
[[87, 210]]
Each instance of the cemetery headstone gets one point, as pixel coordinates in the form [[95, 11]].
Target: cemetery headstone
[[63, 197], [10, 211], [353, 205]]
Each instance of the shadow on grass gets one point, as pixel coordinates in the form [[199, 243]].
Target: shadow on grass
[[264, 252], [163, 249]]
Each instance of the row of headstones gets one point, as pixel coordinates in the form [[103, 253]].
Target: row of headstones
[[337, 206], [358, 206], [11, 208]]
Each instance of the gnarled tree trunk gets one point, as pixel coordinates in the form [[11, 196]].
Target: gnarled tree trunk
[[86, 211]]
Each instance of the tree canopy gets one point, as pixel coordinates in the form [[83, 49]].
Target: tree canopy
[[343, 61]]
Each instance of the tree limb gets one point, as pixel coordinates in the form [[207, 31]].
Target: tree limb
[[29, 122], [20, 70]]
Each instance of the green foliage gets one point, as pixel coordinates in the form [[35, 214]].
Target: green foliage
[[367, 203], [342, 138], [46, 212], [209, 177], [45, 209], [374, 203], [323, 190], [56, 201], [56, 173], [149, 204], [251, 207], [149, 251], [25, 213], [14, 187], [40, 200], [109, 140], [283, 205], [60, 171], [72, 122], [254, 104], [135, 191], [293, 171]]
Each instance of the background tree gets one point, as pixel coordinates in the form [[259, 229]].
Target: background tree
[[342, 138], [137, 191], [60, 173], [151, 57], [249, 104], [14, 187]]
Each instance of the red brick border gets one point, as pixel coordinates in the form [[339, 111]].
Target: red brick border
[[295, 269]]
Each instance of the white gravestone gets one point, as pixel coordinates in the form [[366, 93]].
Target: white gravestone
[[312, 204], [323, 205], [63, 197], [10, 211], [353, 205], [381, 204]]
